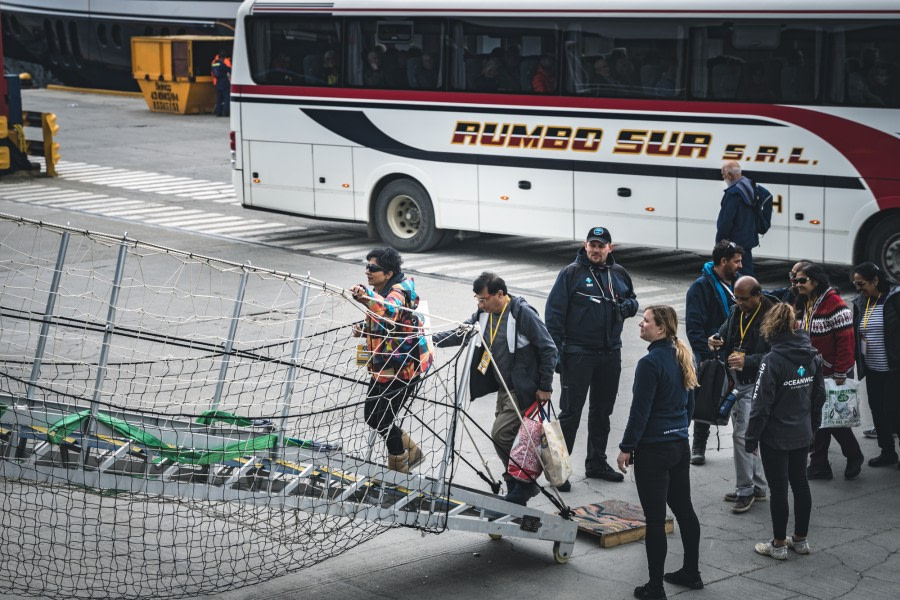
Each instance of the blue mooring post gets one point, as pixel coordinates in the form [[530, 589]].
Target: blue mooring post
[[14, 90]]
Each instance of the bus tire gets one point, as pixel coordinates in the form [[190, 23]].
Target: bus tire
[[884, 246], [404, 217]]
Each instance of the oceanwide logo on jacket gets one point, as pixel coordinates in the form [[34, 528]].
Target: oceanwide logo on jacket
[[800, 381]]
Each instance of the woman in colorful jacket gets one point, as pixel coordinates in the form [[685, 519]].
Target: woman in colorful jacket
[[876, 321], [829, 323], [396, 351]]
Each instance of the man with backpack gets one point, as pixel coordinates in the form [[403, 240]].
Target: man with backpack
[[517, 363], [709, 300], [745, 212], [742, 347]]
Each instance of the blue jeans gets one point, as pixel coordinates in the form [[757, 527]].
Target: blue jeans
[[662, 475]]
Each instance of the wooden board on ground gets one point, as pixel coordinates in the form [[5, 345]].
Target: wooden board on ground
[[615, 522]]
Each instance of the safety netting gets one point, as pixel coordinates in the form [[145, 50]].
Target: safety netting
[[174, 424]]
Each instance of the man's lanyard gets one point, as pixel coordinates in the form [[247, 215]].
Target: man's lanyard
[[612, 295], [743, 329], [869, 311], [495, 329]]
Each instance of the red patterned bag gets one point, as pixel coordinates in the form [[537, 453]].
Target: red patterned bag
[[524, 464]]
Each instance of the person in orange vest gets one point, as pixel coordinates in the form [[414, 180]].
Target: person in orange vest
[[221, 77]]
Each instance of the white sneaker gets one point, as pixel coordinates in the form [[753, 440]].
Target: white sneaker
[[769, 549], [798, 546]]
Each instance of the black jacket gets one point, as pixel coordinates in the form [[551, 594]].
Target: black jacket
[[533, 353], [755, 345], [661, 408], [579, 313], [705, 311], [891, 329], [786, 409]]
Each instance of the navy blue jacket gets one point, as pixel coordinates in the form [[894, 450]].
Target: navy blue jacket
[[533, 354], [708, 305], [579, 314], [661, 408], [737, 220]]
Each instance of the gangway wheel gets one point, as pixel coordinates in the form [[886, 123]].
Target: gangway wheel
[[559, 555]]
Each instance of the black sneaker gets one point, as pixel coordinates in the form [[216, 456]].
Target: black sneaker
[[854, 467], [605, 472], [650, 592], [522, 492], [698, 458], [819, 472], [685, 579], [883, 460]]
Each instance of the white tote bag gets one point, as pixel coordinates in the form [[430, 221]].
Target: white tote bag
[[554, 454], [841, 404]]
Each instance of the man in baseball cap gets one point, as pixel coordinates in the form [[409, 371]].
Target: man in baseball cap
[[585, 313]]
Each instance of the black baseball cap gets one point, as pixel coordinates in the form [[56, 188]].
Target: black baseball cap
[[599, 233]]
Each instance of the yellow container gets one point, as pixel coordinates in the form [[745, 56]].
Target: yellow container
[[173, 71]]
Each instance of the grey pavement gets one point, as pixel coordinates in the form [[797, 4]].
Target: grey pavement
[[854, 530]]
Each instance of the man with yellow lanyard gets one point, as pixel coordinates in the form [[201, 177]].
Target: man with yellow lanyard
[[739, 339], [519, 357]]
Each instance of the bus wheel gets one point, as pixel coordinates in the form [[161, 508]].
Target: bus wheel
[[404, 217], [884, 246]]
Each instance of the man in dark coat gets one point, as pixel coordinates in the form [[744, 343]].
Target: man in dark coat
[[585, 313], [709, 301], [743, 347], [524, 358], [737, 218]]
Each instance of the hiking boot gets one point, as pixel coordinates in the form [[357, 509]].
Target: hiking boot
[[819, 472], [798, 546], [854, 467], [415, 454], [758, 495], [685, 579], [770, 549], [565, 486], [698, 457], [399, 462], [870, 433], [883, 460], [650, 592], [605, 472], [522, 492], [742, 504]]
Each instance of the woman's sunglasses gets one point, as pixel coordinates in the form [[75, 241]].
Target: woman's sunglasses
[[800, 280], [373, 268]]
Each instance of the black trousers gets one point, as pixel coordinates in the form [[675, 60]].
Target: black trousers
[[785, 467], [882, 391], [598, 372], [662, 474], [383, 403]]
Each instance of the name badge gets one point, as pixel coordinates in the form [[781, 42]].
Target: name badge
[[484, 362], [363, 356], [863, 344]]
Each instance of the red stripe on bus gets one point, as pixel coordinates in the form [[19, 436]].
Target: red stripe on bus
[[872, 152]]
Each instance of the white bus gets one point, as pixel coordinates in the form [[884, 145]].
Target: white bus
[[538, 118]]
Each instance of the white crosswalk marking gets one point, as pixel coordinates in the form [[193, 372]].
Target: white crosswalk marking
[[536, 272]]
